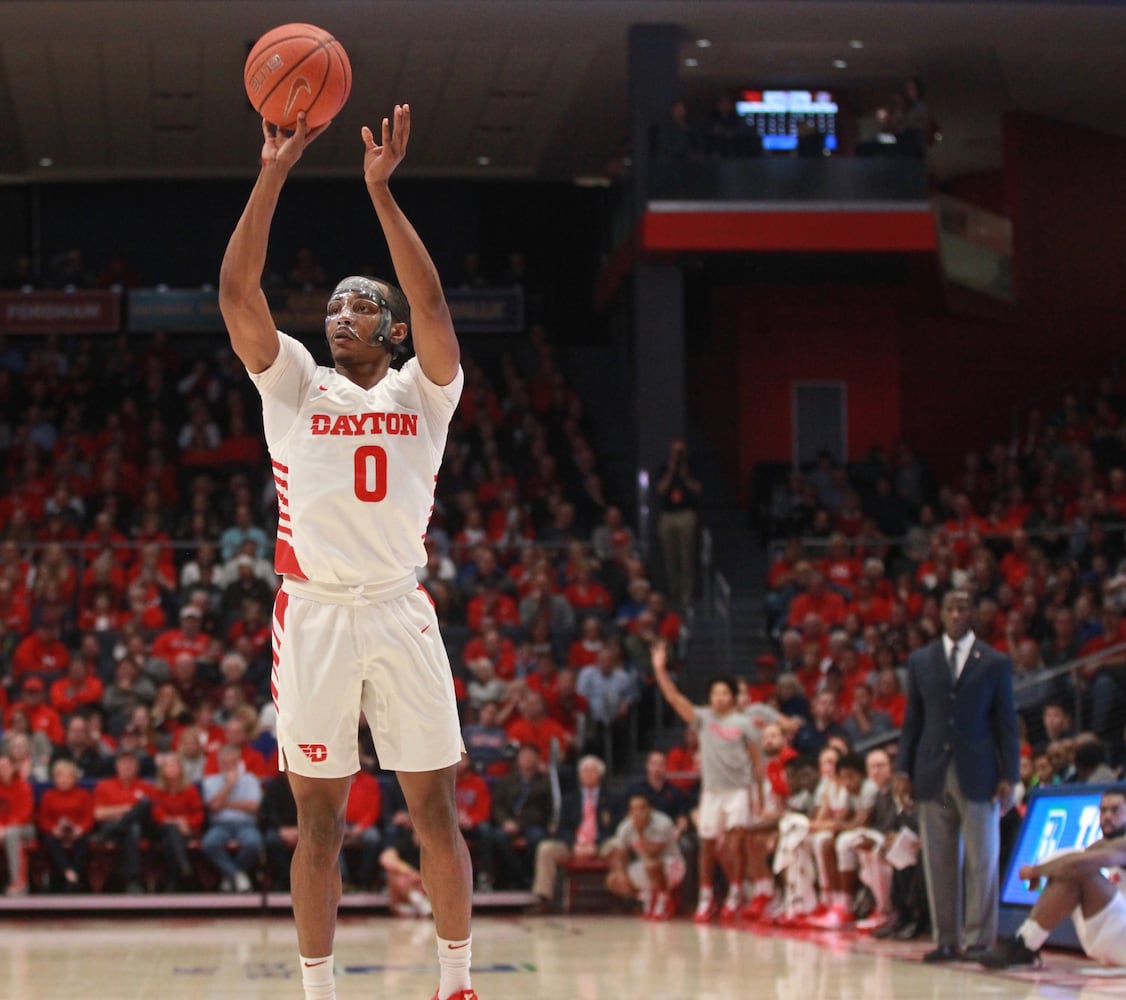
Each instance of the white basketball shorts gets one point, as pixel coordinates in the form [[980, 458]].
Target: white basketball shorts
[[386, 659], [722, 810], [1103, 936], [675, 870]]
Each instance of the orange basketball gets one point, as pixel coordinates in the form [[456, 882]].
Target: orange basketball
[[297, 67]]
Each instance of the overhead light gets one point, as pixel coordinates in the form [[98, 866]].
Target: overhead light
[[691, 63], [703, 43], [840, 64], [46, 161], [856, 43], [483, 161]]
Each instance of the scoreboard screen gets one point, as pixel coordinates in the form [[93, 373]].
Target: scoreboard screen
[[777, 116]]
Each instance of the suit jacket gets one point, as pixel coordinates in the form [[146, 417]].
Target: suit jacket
[[571, 816], [972, 723], [533, 808]]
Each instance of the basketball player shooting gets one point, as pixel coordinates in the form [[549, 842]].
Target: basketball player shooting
[[355, 450]]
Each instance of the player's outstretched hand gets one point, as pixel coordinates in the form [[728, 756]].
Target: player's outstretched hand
[[381, 159], [284, 149]]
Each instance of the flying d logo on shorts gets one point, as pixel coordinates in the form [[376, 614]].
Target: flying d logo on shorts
[[316, 752]]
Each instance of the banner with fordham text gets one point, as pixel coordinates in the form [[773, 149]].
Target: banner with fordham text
[[60, 312]]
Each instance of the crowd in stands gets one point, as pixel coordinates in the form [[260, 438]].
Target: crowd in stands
[[136, 588]]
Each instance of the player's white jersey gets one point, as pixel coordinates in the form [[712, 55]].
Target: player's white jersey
[[355, 468]]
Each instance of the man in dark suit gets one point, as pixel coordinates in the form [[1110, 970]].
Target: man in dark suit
[[522, 808], [586, 823], [959, 748]]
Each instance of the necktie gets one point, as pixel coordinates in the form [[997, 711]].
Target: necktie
[[954, 662], [588, 828]]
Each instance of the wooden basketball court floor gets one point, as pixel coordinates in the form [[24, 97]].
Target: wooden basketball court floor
[[515, 958]]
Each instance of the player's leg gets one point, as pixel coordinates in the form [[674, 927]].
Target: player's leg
[[314, 870], [447, 872]]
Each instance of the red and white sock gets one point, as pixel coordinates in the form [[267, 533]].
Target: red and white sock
[[453, 966], [316, 977]]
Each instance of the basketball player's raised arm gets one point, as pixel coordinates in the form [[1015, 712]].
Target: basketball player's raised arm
[[681, 705], [432, 329], [242, 302]]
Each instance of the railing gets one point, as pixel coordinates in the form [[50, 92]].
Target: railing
[[721, 610], [1048, 676], [976, 247]]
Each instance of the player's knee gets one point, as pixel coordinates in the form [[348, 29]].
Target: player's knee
[[320, 833]]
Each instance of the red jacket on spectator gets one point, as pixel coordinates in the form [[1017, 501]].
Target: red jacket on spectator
[[35, 655], [365, 801], [474, 800], [184, 804], [42, 719], [829, 606], [173, 641], [504, 663], [252, 760], [502, 608], [567, 713], [582, 653], [539, 734], [68, 697], [871, 611], [590, 596], [681, 760], [113, 792], [76, 805], [17, 803], [16, 613]]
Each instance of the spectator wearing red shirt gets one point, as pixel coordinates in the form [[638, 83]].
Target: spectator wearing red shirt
[[544, 678], [15, 611], [235, 734], [41, 654], [474, 809], [41, 717], [818, 600], [491, 645], [80, 686], [143, 608], [867, 606], [122, 810], [490, 602], [362, 829], [177, 816], [1015, 563], [65, 819], [535, 727], [188, 638], [684, 763], [103, 535], [586, 593], [667, 623], [17, 824], [569, 708], [584, 650], [840, 567], [889, 698]]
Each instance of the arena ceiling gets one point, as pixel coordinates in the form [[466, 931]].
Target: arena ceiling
[[145, 88]]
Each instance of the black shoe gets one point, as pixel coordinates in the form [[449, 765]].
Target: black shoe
[[1008, 952], [943, 953], [889, 930], [541, 907], [906, 932], [974, 952]]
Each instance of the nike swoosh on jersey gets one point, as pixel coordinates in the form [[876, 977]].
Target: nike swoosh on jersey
[[299, 84]]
